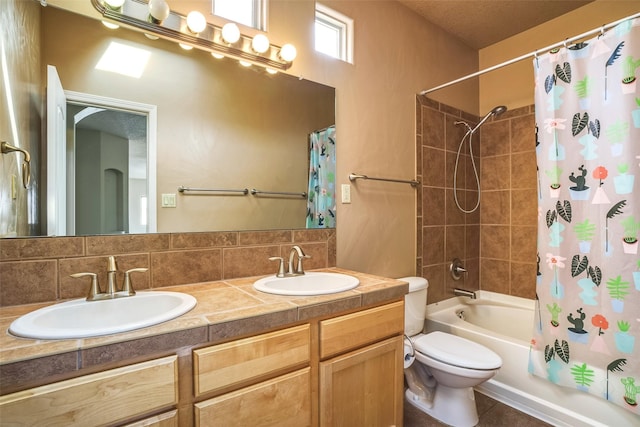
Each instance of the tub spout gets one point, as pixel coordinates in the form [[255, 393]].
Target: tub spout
[[464, 293]]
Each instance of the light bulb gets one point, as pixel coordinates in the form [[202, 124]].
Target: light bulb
[[260, 43], [272, 71], [110, 25], [217, 55], [196, 22], [230, 33], [245, 63], [288, 52], [158, 11], [185, 46], [114, 4]]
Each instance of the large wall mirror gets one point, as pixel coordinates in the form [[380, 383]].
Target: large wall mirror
[[219, 125]]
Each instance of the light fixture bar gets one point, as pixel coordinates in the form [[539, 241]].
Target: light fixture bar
[[134, 13]]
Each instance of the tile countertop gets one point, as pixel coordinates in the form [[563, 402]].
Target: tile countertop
[[225, 309]]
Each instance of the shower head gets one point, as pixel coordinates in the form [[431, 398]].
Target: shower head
[[495, 112]]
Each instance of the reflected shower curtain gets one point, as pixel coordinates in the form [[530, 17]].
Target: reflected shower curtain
[[321, 202], [587, 320]]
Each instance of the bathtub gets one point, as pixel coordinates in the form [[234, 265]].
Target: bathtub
[[504, 324]]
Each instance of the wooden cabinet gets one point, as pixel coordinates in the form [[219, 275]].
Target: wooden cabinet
[[265, 380], [282, 401], [98, 399], [241, 362], [166, 419], [364, 386]]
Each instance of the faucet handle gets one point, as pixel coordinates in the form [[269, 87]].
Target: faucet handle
[[280, 266], [94, 290], [127, 288], [299, 267]]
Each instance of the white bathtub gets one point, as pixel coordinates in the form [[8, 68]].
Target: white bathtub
[[504, 324]]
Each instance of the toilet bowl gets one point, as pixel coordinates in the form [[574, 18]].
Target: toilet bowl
[[441, 369]]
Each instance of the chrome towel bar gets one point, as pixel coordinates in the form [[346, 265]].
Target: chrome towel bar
[[182, 189], [278, 193], [354, 176]]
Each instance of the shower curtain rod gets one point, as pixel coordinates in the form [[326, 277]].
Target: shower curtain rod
[[531, 54]]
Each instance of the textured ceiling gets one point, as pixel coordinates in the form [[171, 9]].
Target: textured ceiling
[[482, 23]]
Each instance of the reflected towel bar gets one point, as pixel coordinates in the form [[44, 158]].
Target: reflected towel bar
[[182, 189], [354, 176], [278, 193]]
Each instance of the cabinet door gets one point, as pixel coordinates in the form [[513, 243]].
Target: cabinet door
[[364, 387], [280, 402]]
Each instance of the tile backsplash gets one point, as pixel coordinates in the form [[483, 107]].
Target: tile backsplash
[[35, 270]]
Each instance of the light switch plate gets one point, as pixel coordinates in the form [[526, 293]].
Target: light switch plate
[[168, 200], [346, 193]]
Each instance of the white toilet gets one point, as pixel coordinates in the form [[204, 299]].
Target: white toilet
[[441, 369]]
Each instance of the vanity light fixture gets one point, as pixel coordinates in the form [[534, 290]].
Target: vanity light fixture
[[155, 19], [196, 22], [230, 33], [158, 11]]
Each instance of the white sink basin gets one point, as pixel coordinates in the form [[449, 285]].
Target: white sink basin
[[81, 319], [313, 283]]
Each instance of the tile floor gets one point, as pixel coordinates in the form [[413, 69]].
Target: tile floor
[[492, 414]]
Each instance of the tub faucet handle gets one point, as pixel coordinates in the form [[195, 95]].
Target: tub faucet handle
[[456, 269]]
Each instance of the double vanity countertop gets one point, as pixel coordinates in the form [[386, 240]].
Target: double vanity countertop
[[225, 309]]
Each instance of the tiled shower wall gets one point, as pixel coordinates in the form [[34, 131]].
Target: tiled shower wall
[[36, 270], [496, 243]]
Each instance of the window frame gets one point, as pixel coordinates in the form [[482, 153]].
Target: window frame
[[343, 26]]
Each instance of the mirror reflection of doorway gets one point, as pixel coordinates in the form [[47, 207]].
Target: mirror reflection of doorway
[[110, 169]]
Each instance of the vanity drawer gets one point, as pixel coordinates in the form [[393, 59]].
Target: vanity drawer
[[284, 401], [97, 399], [355, 330], [238, 363]]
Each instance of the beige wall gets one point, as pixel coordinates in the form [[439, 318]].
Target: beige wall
[[513, 85]]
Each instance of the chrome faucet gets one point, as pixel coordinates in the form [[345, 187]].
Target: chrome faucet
[[296, 250], [95, 292]]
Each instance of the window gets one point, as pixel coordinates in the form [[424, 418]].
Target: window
[[246, 12], [334, 33]]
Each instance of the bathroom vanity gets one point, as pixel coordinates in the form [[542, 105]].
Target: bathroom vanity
[[241, 357]]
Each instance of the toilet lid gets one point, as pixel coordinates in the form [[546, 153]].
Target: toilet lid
[[457, 351]]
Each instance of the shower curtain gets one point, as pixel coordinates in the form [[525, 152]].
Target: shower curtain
[[587, 320], [321, 202]]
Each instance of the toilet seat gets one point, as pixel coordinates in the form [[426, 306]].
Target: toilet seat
[[457, 351]]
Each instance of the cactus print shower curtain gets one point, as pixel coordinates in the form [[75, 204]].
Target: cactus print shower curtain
[[587, 320], [321, 196]]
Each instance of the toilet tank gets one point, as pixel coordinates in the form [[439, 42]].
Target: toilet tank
[[415, 305]]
